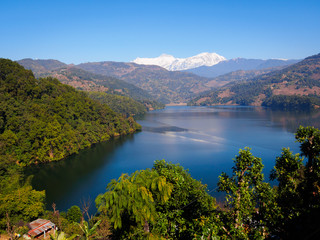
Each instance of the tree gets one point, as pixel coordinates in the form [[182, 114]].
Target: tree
[[74, 214], [189, 201], [288, 172], [245, 193], [130, 201], [164, 201], [19, 202], [309, 137]]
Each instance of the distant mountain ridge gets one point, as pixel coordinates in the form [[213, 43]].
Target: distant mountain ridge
[[166, 86], [39, 66], [238, 76], [294, 87], [172, 63], [237, 64], [159, 83]]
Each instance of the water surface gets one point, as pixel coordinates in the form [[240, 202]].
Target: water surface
[[201, 139]]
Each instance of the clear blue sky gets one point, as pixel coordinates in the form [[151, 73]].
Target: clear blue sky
[[75, 31]]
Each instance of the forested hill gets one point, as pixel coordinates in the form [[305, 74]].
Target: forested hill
[[43, 120], [294, 87], [120, 104]]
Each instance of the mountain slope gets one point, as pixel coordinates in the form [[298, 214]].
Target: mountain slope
[[166, 86], [120, 104], [237, 64], [43, 120], [238, 76], [295, 86], [176, 64], [87, 81], [38, 66]]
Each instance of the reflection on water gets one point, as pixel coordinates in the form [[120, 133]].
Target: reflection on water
[[73, 175], [164, 129], [203, 140]]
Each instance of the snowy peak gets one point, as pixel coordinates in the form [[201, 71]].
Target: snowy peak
[[171, 63]]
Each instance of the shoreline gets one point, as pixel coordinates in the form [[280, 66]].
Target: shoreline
[[176, 104]]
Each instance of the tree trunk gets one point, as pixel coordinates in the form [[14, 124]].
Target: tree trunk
[[146, 227]]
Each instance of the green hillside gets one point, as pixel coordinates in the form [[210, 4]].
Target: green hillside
[[43, 120], [120, 104]]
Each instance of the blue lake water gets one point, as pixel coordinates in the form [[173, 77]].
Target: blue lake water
[[201, 139]]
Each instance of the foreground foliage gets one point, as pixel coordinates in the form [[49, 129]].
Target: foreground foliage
[[252, 208], [155, 202], [248, 197]]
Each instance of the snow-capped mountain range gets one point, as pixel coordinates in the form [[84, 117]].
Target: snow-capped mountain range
[[171, 63]]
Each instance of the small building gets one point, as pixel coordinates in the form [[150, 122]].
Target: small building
[[41, 228]]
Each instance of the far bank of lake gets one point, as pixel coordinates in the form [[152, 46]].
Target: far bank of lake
[[201, 139]]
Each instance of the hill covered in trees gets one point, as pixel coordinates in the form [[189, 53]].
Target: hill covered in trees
[[43, 120], [120, 104], [294, 87]]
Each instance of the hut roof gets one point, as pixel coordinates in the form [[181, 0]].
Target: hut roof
[[39, 226]]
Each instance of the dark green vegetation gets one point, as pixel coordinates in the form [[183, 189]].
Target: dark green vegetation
[[121, 104], [285, 102], [162, 201], [44, 120], [296, 86]]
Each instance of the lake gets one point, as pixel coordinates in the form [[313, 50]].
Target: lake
[[201, 139]]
